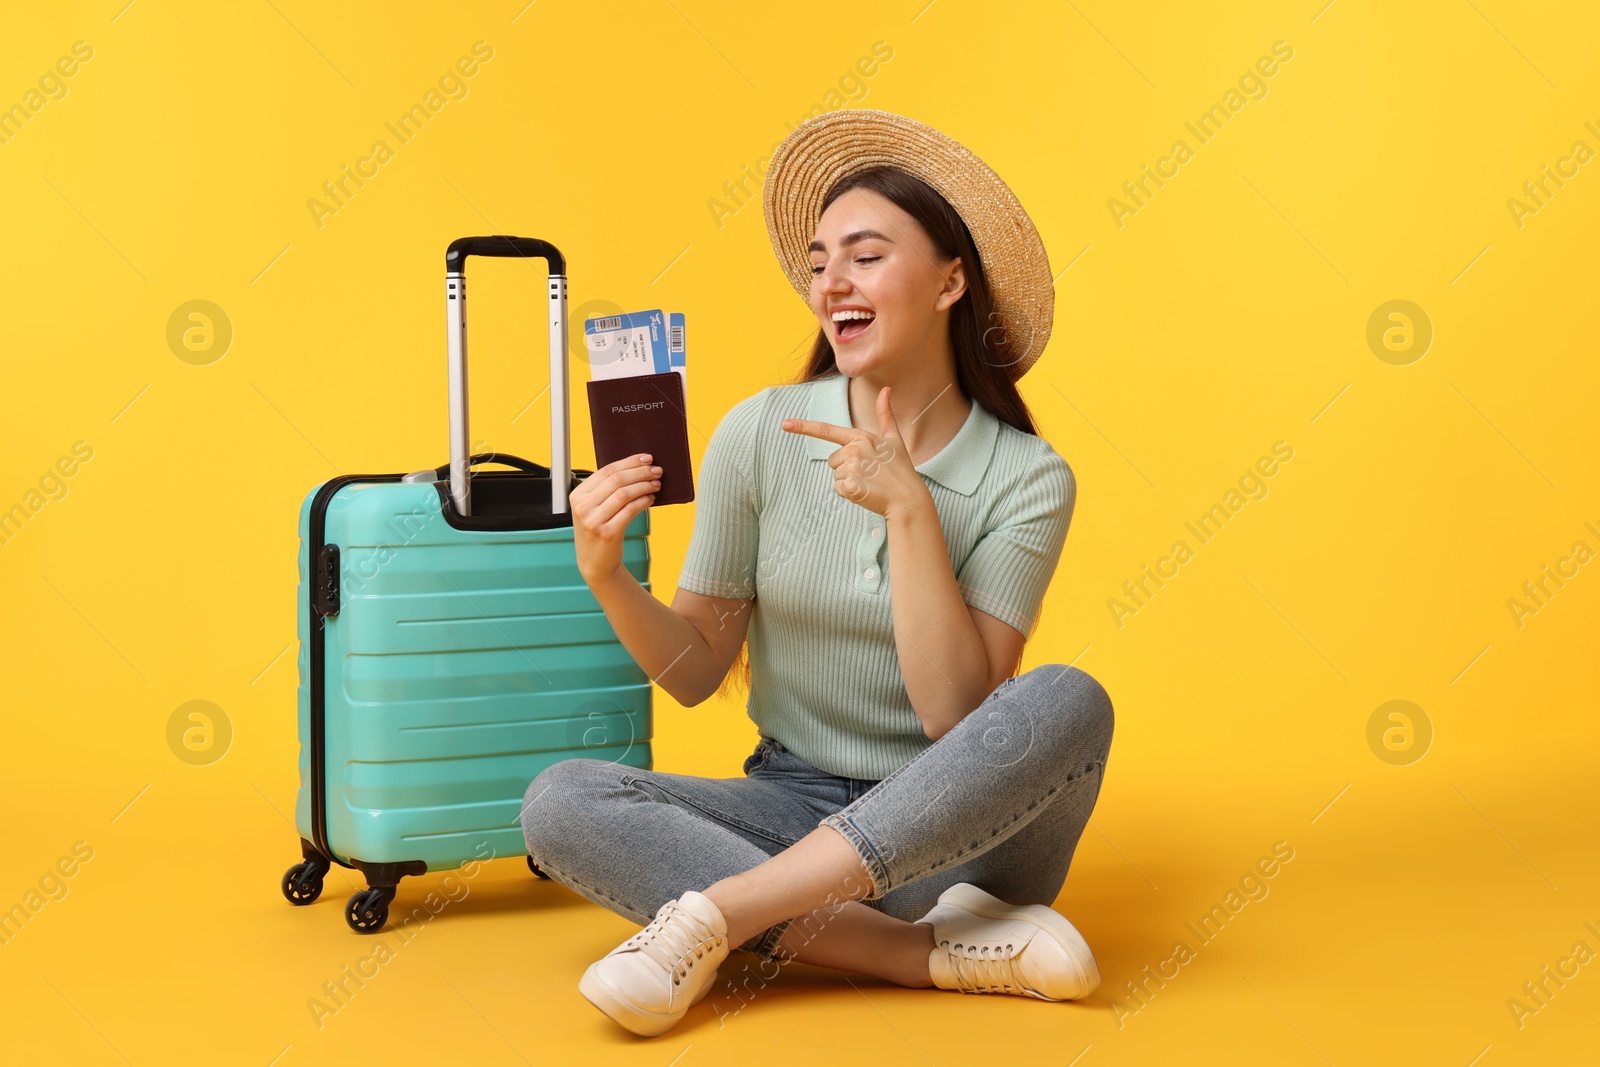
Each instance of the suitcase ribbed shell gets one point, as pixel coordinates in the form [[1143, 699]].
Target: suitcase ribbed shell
[[461, 663]]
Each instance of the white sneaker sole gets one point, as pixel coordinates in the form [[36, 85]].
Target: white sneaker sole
[[970, 898], [627, 1014]]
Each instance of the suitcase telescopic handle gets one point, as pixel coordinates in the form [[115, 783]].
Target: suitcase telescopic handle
[[455, 265]]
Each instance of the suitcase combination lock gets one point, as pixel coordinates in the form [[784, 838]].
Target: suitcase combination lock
[[326, 586]]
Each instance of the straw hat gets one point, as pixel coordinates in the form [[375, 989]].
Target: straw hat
[[824, 149]]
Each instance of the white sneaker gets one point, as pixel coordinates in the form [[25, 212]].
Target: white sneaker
[[985, 945], [652, 979]]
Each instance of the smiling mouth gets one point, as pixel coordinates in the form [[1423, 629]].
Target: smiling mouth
[[850, 329]]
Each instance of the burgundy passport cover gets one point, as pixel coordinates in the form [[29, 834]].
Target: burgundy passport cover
[[643, 414]]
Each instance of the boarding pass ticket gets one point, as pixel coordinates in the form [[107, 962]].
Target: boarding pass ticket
[[638, 342]]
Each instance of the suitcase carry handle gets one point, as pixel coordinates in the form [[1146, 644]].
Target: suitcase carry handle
[[455, 265], [443, 470]]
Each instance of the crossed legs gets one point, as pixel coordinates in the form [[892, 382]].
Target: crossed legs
[[823, 875], [999, 801]]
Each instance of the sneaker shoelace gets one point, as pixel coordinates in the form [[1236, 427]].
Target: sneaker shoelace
[[675, 939], [985, 969]]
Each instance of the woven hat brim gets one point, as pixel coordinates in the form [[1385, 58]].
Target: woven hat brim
[[824, 149]]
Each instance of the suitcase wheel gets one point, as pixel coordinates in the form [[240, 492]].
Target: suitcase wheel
[[534, 867], [302, 883], [368, 910]]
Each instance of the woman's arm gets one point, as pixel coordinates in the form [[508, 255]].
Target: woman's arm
[[687, 648], [948, 663]]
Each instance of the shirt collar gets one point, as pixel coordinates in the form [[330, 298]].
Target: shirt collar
[[960, 465]]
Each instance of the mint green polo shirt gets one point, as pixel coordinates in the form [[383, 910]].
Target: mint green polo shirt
[[825, 677]]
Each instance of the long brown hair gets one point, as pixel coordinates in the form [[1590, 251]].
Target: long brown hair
[[982, 348]]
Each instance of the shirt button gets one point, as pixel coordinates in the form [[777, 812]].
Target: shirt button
[[870, 572], [876, 533]]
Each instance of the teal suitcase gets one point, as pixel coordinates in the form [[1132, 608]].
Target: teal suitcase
[[449, 648]]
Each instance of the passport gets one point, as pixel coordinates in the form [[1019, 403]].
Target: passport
[[644, 413]]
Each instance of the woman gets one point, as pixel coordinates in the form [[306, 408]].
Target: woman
[[911, 808]]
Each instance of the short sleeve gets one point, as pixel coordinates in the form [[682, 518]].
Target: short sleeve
[[721, 559], [1010, 567]]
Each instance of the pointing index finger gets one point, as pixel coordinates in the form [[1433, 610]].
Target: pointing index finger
[[825, 430]]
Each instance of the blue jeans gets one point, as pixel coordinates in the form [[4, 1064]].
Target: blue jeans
[[999, 801]]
